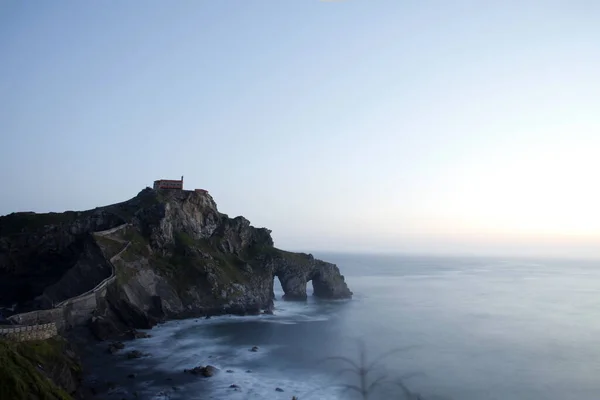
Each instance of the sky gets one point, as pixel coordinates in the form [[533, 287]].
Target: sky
[[468, 127]]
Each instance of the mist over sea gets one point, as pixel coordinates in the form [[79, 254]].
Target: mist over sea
[[470, 329]]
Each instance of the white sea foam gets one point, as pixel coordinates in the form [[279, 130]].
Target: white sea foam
[[181, 344]]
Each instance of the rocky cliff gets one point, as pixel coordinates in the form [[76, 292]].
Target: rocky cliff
[[176, 256]]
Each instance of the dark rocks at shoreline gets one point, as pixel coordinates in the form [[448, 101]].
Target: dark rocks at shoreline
[[115, 347], [103, 328], [254, 349], [206, 372], [135, 334], [135, 354]]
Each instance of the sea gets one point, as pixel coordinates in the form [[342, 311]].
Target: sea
[[429, 327]]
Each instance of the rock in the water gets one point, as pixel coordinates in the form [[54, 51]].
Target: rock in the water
[[207, 371], [103, 328], [248, 371], [279, 389], [131, 376], [135, 354], [115, 346], [295, 270], [229, 371], [141, 335], [234, 386], [254, 349]]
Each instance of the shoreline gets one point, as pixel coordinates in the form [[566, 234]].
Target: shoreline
[[179, 345]]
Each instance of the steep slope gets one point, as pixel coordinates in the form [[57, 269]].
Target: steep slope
[[174, 255], [45, 370], [37, 250]]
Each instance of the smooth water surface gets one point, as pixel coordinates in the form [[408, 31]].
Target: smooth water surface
[[463, 328]]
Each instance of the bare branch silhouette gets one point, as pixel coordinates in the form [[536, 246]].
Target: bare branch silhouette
[[363, 369], [345, 359], [389, 354]]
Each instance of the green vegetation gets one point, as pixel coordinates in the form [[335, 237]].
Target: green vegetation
[[21, 377], [138, 246], [145, 199], [28, 221], [188, 264], [123, 272], [23, 222], [296, 258], [110, 247], [229, 264], [184, 266]]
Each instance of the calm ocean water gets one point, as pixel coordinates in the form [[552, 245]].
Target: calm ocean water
[[465, 329]]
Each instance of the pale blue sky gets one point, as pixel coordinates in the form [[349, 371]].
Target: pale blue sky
[[412, 126]]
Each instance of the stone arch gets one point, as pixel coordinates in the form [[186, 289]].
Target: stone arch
[[294, 271]]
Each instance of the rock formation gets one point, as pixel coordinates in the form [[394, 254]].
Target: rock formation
[[177, 256]]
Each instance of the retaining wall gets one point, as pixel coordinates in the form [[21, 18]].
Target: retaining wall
[[40, 317], [31, 332]]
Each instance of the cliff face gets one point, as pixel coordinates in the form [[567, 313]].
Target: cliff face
[[174, 255]]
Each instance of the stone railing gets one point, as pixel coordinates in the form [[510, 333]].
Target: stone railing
[[112, 230], [106, 281], [30, 332], [39, 317]]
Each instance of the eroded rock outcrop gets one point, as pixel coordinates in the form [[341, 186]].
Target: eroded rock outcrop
[[176, 256]]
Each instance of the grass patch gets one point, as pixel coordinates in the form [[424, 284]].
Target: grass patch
[[296, 258], [188, 265], [29, 222], [20, 378], [229, 268], [109, 246], [137, 249], [182, 239], [138, 246], [123, 272], [228, 264]]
